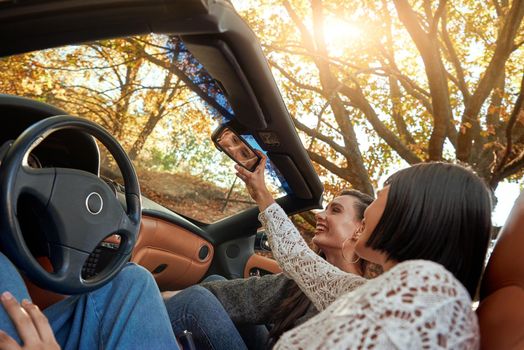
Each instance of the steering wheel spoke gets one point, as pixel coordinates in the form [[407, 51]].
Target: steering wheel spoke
[[37, 183], [67, 263], [130, 223]]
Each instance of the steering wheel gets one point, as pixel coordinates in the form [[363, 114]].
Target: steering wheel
[[81, 209]]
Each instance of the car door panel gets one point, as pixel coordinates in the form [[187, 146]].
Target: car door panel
[[175, 256], [258, 265]]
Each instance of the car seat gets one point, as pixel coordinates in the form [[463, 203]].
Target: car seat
[[501, 309]]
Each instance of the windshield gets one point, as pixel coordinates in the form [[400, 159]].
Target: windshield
[[160, 103]]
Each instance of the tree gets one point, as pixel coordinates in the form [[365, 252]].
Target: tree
[[158, 110], [189, 70], [413, 81]]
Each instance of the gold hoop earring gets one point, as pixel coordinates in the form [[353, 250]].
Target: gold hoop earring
[[344, 256]]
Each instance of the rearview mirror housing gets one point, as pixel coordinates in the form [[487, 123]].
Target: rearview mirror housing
[[227, 140]]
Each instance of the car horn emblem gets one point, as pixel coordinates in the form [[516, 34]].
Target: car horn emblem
[[94, 203]]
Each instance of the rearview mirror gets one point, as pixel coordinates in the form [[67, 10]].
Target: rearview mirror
[[228, 141]]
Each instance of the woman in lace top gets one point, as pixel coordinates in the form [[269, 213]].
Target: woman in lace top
[[232, 314], [429, 229]]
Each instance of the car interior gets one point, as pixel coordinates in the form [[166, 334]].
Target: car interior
[[44, 148], [177, 249]]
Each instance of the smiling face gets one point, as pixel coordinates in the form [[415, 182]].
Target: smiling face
[[335, 224], [372, 216]]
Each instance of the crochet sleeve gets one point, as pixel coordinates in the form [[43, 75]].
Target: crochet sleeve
[[320, 281]]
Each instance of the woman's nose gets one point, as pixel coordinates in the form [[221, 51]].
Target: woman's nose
[[320, 215], [227, 143]]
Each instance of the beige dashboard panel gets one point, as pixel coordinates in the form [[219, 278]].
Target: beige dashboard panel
[[174, 255], [256, 261]]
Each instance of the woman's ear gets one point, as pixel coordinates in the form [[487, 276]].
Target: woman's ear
[[356, 235]]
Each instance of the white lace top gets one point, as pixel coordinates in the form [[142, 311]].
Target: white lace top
[[417, 304]]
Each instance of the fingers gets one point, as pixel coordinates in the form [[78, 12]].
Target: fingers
[[249, 178], [8, 343], [21, 319], [39, 321], [241, 177], [262, 164], [31, 324], [243, 173]]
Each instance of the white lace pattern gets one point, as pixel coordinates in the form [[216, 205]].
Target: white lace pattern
[[417, 304]]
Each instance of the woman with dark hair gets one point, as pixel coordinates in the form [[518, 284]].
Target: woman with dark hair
[[209, 309], [428, 228]]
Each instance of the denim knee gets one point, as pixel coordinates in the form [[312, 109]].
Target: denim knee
[[193, 302], [198, 310], [133, 275], [197, 296], [212, 278]]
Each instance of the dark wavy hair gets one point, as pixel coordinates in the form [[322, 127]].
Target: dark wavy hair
[[296, 303], [439, 212]]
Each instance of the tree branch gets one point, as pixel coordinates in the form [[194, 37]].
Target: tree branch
[[395, 96], [394, 73], [503, 49], [295, 81], [517, 45], [493, 123], [517, 110], [307, 40], [358, 98], [427, 45], [96, 112], [412, 88], [182, 76], [461, 82], [316, 134], [497, 7], [510, 169], [441, 10], [344, 173]]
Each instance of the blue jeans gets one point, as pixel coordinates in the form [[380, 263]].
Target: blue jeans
[[197, 310], [126, 313], [255, 336]]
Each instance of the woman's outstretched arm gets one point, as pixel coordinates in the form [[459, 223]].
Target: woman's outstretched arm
[[321, 281]]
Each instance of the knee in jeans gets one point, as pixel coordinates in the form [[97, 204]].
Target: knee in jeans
[[198, 296], [198, 292], [133, 274], [212, 278]]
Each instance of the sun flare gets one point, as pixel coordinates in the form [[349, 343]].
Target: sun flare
[[340, 34]]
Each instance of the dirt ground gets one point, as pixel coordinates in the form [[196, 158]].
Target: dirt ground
[[192, 197]]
